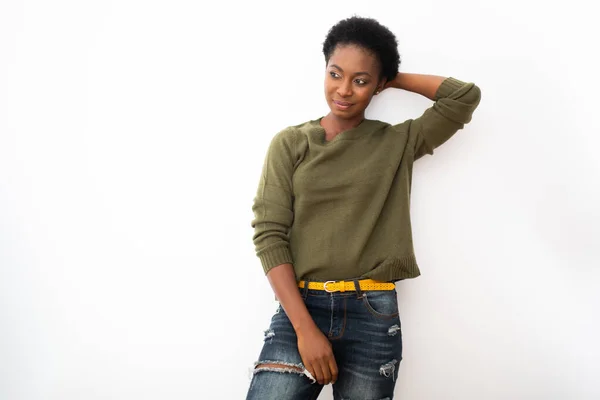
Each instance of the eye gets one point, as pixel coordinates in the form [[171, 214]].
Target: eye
[[361, 82], [333, 74]]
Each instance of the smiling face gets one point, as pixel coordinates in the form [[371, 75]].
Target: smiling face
[[352, 78]]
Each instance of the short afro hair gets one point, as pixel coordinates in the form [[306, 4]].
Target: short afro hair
[[369, 34]]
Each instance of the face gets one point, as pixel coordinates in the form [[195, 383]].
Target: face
[[351, 79]]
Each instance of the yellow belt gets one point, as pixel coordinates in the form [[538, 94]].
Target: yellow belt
[[343, 286]]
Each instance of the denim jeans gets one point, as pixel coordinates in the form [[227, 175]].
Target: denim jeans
[[365, 332]]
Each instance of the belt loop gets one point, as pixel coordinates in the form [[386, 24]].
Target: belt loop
[[359, 293], [305, 290]]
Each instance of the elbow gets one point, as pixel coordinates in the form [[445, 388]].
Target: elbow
[[473, 96]]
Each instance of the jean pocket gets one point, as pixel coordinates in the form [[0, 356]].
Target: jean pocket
[[383, 304]]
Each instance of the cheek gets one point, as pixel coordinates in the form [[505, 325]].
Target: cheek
[[330, 89], [365, 94]]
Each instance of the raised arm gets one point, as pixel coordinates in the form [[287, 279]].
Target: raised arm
[[425, 85], [455, 102]]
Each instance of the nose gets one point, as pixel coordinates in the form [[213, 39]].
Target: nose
[[345, 89]]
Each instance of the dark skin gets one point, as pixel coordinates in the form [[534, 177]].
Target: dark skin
[[352, 78]]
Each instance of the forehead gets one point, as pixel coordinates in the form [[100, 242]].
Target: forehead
[[353, 58]]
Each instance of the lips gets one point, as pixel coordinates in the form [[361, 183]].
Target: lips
[[342, 103]]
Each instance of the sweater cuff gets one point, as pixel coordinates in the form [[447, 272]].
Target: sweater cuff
[[271, 258], [448, 86]]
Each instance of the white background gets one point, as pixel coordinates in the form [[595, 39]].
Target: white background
[[132, 134]]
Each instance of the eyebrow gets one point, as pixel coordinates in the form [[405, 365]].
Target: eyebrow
[[358, 73]]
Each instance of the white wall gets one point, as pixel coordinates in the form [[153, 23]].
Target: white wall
[[132, 134]]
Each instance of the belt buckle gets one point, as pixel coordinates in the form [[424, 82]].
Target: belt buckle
[[325, 287]]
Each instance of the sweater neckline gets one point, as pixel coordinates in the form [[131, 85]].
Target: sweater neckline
[[359, 131]]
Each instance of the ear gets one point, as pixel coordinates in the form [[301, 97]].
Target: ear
[[380, 86]]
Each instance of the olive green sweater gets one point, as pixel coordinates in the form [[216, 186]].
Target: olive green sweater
[[340, 209]]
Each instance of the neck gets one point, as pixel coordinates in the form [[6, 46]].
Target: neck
[[334, 125]]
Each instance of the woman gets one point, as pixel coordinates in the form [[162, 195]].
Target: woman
[[332, 222]]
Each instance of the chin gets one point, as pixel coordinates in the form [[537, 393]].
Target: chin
[[343, 115]]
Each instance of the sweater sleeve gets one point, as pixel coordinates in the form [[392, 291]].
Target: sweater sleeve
[[455, 103], [273, 204]]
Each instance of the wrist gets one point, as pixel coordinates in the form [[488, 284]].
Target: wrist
[[304, 326]]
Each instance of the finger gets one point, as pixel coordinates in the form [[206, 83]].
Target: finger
[[326, 371], [318, 373], [334, 369]]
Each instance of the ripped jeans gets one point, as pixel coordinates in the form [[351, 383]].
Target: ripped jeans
[[365, 333]]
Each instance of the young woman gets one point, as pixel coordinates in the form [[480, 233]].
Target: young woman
[[332, 222]]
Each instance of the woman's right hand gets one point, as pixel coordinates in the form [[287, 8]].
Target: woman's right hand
[[317, 355], [314, 348]]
